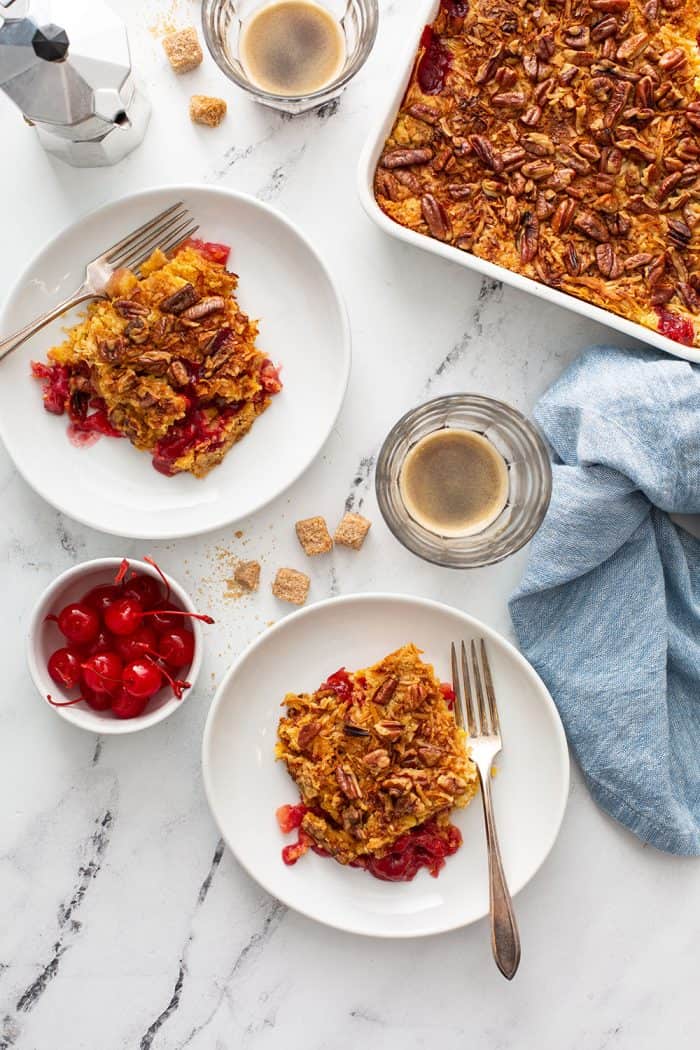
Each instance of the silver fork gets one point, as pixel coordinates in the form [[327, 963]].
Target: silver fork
[[165, 230], [480, 720]]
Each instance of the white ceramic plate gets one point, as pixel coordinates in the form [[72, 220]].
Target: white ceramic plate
[[245, 785], [303, 325], [386, 114]]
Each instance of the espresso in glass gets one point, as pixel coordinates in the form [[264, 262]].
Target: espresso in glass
[[454, 482], [292, 47]]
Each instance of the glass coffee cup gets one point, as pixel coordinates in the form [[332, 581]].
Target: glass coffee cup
[[225, 23], [464, 481]]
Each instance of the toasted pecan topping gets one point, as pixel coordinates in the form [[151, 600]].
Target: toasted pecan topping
[[562, 143]]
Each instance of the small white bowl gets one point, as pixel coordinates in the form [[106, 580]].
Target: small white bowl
[[44, 637]]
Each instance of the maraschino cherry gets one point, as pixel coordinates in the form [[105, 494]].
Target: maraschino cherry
[[117, 660]]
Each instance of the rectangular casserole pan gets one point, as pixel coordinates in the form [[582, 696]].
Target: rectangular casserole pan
[[368, 162]]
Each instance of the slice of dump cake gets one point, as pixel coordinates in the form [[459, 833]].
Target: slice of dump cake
[[168, 361], [379, 763]]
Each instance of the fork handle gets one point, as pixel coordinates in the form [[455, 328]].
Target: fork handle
[[13, 341], [505, 939]]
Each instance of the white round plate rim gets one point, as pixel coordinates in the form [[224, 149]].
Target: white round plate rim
[[178, 190], [470, 622]]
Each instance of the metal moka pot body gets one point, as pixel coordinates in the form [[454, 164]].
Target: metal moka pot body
[[66, 65]]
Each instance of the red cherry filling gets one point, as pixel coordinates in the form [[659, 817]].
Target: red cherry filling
[[434, 64], [340, 683], [674, 327], [211, 250], [426, 846]]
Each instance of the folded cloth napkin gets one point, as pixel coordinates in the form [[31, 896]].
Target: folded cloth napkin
[[609, 609]]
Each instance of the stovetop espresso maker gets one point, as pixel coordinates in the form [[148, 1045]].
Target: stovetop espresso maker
[[66, 65]]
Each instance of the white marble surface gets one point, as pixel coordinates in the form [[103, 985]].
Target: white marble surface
[[124, 922]]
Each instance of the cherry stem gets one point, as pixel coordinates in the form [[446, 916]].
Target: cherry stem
[[176, 684], [63, 703], [106, 678], [123, 569], [160, 572], [179, 612]]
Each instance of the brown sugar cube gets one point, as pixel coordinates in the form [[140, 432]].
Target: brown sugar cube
[[247, 573], [352, 531], [314, 536], [291, 586], [205, 109], [183, 50]]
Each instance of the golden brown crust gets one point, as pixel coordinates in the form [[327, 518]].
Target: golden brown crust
[[564, 144], [377, 760]]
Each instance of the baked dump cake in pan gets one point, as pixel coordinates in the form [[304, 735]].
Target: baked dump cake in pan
[[560, 140]]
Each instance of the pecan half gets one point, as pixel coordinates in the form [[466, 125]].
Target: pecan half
[[129, 308], [209, 305], [386, 690], [389, 729], [516, 99], [607, 27], [672, 60], [488, 68], [529, 237], [352, 730], [178, 374], [667, 185], [405, 158], [436, 217], [607, 260], [113, 351], [180, 300], [679, 233], [486, 153], [308, 732], [347, 782], [430, 755], [137, 331], [564, 215], [154, 362], [577, 37], [638, 261], [427, 114], [632, 47], [591, 225], [616, 7], [376, 760], [531, 116]]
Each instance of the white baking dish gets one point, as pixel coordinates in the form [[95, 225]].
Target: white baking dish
[[368, 162]]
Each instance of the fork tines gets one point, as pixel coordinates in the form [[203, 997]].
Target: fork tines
[[475, 700], [166, 231]]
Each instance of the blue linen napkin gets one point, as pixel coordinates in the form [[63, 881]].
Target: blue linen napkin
[[609, 609]]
